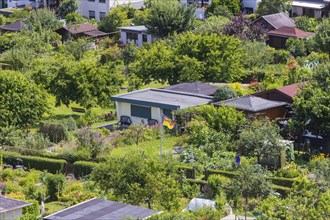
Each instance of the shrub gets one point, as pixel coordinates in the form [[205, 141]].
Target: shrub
[[83, 168], [38, 163], [282, 56], [54, 184], [54, 130], [280, 181], [91, 140], [284, 191], [224, 93], [217, 184], [89, 118], [7, 174], [238, 87]]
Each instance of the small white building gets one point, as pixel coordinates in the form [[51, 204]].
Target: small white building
[[97, 9], [11, 208], [135, 34], [250, 5], [154, 103], [310, 8]]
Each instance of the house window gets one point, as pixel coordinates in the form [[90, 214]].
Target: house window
[[132, 37], [102, 15], [102, 1], [140, 111], [91, 14], [91, 0], [144, 38]]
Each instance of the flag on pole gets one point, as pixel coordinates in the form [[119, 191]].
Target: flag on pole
[[168, 122]]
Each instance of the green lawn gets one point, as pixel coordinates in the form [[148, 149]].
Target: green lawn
[[151, 148], [53, 207]]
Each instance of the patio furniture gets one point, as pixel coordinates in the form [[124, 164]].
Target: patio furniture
[[124, 122], [152, 122]]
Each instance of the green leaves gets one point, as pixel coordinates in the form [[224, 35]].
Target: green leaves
[[22, 102], [168, 17]]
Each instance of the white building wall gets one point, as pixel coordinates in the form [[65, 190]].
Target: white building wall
[[251, 4], [124, 108], [84, 6], [10, 215], [156, 113], [297, 11]]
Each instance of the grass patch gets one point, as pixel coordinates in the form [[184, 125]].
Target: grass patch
[[151, 148], [53, 207]]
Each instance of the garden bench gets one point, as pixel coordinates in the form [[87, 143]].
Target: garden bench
[[80, 110]]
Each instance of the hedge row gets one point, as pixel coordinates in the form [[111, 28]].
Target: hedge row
[[33, 162], [83, 168], [284, 191], [279, 181]]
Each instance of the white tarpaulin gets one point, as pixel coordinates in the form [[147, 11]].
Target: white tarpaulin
[[303, 4], [197, 203]]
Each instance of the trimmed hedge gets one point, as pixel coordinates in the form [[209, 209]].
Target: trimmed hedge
[[38, 163], [190, 172], [83, 168], [284, 191], [228, 174], [281, 181]]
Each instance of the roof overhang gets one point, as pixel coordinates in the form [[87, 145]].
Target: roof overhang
[[303, 4]]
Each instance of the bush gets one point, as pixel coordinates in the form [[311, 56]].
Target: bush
[[284, 191], [280, 181], [224, 93], [89, 118], [38, 163], [217, 184], [54, 184], [54, 130], [83, 168], [282, 56], [7, 174]]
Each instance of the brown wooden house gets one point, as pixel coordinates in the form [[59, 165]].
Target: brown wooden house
[[254, 106], [80, 30], [282, 94]]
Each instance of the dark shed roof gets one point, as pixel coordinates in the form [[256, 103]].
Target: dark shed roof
[[85, 28], [278, 20], [251, 103], [194, 87], [162, 98], [16, 26], [289, 32], [98, 209], [7, 204]]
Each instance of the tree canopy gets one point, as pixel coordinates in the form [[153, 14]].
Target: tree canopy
[[66, 7], [312, 104], [266, 7], [22, 102], [191, 57], [169, 17]]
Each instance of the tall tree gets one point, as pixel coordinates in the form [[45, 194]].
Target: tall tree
[[22, 102], [219, 7], [169, 17], [66, 7], [116, 17], [322, 36], [191, 57], [312, 104], [266, 7], [261, 138], [137, 179], [43, 19]]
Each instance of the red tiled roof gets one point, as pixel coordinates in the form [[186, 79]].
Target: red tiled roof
[[80, 28], [290, 90], [290, 32]]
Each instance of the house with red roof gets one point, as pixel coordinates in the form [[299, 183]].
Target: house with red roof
[[278, 37], [282, 94]]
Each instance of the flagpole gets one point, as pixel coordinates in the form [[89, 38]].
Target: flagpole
[[161, 132]]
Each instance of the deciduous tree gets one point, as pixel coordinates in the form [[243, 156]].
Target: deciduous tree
[[66, 7], [22, 102], [169, 17], [266, 7]]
